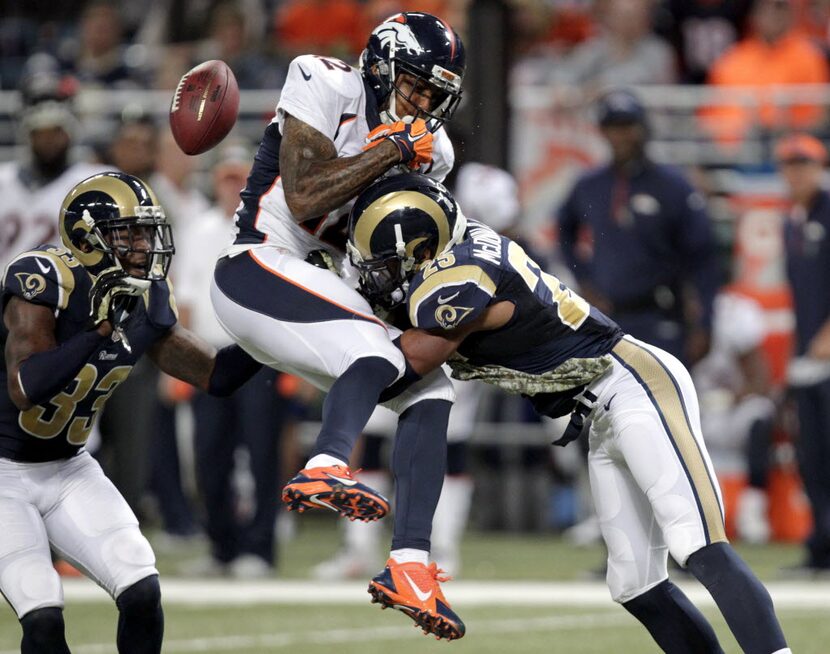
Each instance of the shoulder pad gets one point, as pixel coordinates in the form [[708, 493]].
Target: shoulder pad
[[318, 90], [44, 276], [444, 298]]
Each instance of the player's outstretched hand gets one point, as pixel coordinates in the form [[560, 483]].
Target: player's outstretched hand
[[413, 140], [111, 284]]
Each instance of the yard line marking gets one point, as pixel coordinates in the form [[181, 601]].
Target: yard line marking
[[800, 595], [373, 634]]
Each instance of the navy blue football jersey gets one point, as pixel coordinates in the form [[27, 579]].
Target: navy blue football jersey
[[550, 325], [57, 429]]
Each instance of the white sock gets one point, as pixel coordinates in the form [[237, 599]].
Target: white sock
[[324, 461], [786, 650], [409, 555]]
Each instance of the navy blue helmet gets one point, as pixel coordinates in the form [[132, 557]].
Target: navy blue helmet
[[397, 224], [422, 45]]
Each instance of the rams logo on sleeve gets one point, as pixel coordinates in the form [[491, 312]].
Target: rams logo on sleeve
[[31, 284], [448, 316]]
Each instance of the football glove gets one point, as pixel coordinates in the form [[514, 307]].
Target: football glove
[[413, 140], [111, 296]]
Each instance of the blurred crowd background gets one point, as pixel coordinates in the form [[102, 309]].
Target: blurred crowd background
[[688, 204]]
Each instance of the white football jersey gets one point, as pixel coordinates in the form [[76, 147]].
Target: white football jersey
[[330, 96], [28, 214]]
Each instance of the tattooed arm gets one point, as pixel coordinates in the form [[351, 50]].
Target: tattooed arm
[[315, 179]]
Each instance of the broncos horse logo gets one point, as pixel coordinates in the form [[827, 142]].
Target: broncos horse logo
[[396, 36]]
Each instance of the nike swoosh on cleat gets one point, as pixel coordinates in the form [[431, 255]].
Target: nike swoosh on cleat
[[420, 594], [607, 406], [306, 76], [444, 300], [313, 499], [342, 480]]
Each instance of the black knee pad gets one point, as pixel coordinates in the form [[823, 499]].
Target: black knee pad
[[43, 631], [142, 597]]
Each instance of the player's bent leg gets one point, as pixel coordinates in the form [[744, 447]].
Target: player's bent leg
[[326, 480], [741, 597], [678, 480], [43, 632], [637, 575], [674, 623], [94, 528], [140, 618], [296, 317]]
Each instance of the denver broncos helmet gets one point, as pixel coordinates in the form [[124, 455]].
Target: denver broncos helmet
[[112, 215], [422, 45], [396, 225]]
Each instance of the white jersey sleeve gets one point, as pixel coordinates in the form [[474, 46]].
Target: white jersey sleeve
[[318, 91]]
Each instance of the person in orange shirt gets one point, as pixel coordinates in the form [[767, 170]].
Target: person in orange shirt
[[775, 55]]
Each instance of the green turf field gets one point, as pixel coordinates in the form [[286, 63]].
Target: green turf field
[[353, 628]]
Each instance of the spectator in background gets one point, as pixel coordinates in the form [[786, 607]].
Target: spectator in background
[[807, 241], [624, 53], [774, 55], [99, 56], [638, 240], [241, 535], [701, 31], [134, 146], [32, 188]]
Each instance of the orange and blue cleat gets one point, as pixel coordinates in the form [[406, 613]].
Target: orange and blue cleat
[[414, 589], [334, 488]]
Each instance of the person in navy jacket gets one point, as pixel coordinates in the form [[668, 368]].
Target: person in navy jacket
[[649, 261]]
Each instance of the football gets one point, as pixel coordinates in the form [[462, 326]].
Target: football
[[205, 107]]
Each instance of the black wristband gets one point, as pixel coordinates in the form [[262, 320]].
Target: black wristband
[[44, 374], [232, 368]]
